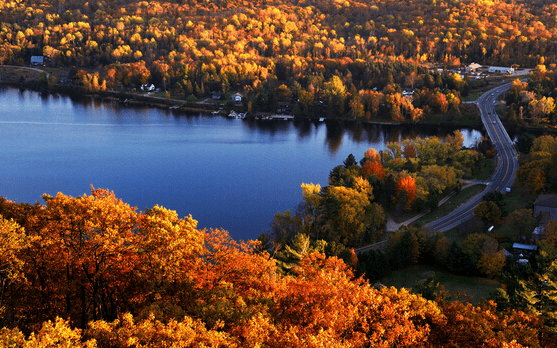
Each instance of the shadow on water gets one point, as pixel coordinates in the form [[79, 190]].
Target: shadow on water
[[304, 128]]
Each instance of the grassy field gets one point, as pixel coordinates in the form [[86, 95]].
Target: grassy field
[[473, 96], [515, 200], [469, 117], [487, 167], [453, 235], [477, 287]]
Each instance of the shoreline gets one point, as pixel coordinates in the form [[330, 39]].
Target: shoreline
[[33, 83], [183, 106]]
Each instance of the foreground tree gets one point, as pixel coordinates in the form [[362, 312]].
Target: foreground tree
[[80, 256], [13, 241]]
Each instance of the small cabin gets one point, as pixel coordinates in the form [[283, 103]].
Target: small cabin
[[524, 251]]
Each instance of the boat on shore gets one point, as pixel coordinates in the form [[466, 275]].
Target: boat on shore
[[174, 107]]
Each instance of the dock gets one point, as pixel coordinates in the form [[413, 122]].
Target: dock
[[275, 117]]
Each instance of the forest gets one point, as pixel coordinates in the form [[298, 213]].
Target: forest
[[331, 58]]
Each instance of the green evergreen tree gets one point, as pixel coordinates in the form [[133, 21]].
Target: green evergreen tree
[[293, 253], [459, 262]]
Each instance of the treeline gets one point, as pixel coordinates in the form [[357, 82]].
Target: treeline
[[532, 104], [538, 169], [88, 34], [331, 56], [91, 271]]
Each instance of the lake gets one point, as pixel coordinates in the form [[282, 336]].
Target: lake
[[227, 173]]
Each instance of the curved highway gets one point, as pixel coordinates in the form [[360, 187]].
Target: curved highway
[[507, 161]]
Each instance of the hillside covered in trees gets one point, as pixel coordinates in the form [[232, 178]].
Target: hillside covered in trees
[[336, 58], [91, 271]]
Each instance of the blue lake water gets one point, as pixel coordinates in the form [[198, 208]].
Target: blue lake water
[[227, 173]]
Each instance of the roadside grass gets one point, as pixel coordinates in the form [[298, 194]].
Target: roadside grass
[[161, 94], [473, 96], [486, 169], [398, 218], [453, 235], [479, 87], [450, 205], [515, 200], [508, 231], [477, 287], [469, 117], [500, 109]]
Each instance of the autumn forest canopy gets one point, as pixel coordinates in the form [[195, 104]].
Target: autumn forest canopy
[[335, 58], [91, 271]]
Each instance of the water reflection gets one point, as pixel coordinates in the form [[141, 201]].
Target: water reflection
[[304, 128], [335, 132], [357, 132]]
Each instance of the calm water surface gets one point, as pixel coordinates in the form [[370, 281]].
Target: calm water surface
[[226, 173]]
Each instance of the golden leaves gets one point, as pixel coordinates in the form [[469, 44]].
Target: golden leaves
[[12, 240], [201, 288]]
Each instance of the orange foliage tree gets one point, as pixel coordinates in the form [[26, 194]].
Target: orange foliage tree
[[372, 164], [406, 186], [81, 260]]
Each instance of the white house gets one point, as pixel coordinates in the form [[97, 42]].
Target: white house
[[473, 67]]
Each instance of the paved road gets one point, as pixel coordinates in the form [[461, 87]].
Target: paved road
[[507, 161]]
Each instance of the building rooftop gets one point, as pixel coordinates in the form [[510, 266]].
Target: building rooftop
[[547, 200], [525, 246]]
